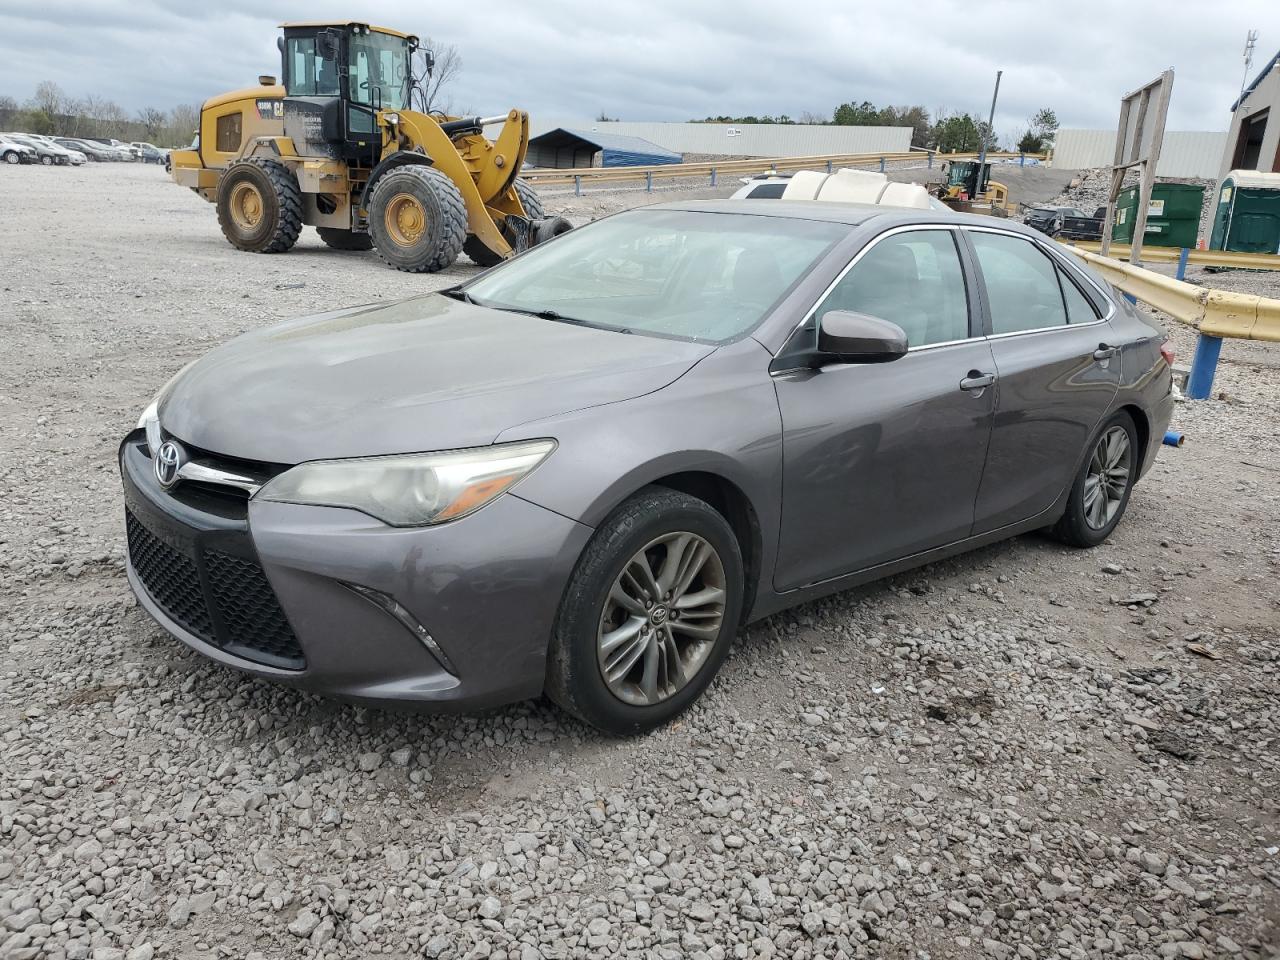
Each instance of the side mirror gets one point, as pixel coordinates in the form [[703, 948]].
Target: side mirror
[[850, 337], [429, 60]]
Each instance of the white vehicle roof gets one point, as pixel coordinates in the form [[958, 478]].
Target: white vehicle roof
[[847, 186]]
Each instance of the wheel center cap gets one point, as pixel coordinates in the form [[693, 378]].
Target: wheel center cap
[[659, 615]]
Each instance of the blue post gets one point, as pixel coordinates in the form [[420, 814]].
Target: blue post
[[1131, 298], [930, 159], [577, 186], [882, 164], [828, 166], [773, 168], [1203, 366], [1022, 159], [648, 181], [713, 176], [1182, 263]]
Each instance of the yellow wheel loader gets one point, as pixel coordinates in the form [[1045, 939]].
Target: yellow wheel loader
[[339, 146]]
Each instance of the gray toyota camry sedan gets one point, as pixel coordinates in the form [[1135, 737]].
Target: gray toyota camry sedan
[[581, 471]]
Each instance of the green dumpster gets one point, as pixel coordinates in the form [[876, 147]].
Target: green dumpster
[[1247, 214], [1173, 216]]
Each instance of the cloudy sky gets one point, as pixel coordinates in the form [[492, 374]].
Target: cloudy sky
[[681, 59]]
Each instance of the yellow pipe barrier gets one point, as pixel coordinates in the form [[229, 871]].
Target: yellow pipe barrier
[[1203, 258], [667, 171], [1215, 313]]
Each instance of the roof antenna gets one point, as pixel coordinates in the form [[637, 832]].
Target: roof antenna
[[1250, 41]]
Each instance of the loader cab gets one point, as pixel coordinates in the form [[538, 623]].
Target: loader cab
[[337, 76]]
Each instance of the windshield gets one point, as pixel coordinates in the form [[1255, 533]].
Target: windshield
[[379, 70], [708, 277]]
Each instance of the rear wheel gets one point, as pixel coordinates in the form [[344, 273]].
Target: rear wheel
[[532, 203], [259, 206], [11, 156], [345, 239], [1101, 491], [648, 615], [46, 160], [417, 219]]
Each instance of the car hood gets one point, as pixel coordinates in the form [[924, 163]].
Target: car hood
[[430, 373]]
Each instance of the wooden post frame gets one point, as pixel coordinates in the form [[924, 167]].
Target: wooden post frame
[[1141, 111]]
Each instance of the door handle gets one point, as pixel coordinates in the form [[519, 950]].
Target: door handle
[[977, 381], [1104, 352]]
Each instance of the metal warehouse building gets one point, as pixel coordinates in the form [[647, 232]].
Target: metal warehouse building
[[563, 147]]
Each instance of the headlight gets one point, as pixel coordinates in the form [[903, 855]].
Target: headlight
[[412, 490], [150, 422]]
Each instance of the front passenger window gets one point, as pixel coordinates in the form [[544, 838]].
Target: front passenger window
[[913, 279]]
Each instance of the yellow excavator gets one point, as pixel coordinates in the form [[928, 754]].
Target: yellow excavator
[[337, 145]]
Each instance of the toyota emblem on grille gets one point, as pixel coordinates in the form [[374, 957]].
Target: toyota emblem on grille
[[168, 463]]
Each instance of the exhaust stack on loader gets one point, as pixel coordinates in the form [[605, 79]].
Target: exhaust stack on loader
[[338, 146]]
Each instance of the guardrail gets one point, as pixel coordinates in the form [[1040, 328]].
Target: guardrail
[[1184, 256], [1216, 314], [713, 168]]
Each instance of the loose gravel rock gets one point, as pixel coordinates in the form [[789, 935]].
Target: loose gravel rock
[[970, 760]]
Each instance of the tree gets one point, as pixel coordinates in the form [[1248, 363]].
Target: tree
[[862, 114], [153, 120], [809, 117], [987, 136], [180, 125], [1044, 125], [431, 93], [1030, 143], [605, 118], [955, 134]]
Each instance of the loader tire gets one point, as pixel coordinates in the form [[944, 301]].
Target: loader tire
[[532, 203], [259, 206], [345, 239], [417, 219]]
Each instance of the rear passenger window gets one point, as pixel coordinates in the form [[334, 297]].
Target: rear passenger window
[[913, 279], [1079, 309], [1022, 283]]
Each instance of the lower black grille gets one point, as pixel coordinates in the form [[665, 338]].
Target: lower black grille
[[247, 606], [232, 606], [170, 578]]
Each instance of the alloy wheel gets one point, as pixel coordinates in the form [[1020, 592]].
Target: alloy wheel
[[662, 617], [1107, 479]]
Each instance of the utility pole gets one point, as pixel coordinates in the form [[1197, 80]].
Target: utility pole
[[982, 141], [1250, 41]]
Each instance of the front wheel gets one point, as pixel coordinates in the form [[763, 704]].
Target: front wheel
[[1101, 490], [417, 219], [47, 160], [11, 156], [648, 615]]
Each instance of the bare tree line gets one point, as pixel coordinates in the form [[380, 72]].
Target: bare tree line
[[53, 112]]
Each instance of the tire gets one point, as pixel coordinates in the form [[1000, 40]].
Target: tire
[[484, 257], [47, 160], [576, 677], [1091, 517], [259, 206], [345, 239], [11, 156], [417, 219]]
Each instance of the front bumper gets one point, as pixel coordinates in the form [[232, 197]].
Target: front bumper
[[486, 588]]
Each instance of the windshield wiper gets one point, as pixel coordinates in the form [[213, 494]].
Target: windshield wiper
[[455, 293]]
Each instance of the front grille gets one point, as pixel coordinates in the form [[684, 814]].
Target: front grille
[[232, 606]]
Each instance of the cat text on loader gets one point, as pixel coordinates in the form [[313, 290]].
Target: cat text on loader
[[338, 146]]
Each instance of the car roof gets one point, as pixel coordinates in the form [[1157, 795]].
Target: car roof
[[852, 214]]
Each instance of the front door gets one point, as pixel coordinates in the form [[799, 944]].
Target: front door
[[881, 461], [1057, 370]]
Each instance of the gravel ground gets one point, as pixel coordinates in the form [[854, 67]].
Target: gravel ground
[[1027, 751]]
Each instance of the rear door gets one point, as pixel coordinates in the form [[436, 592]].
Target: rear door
[[1057, 370], [883, 460]]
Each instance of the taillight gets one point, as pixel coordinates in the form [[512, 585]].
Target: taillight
[[1166, 351]]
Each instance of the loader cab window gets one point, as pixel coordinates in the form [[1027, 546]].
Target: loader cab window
[[307, 74], [378, 70]]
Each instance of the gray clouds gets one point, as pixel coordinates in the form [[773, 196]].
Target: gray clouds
[[669, 60]]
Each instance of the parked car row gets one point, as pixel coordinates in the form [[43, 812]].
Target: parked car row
[[16, 148]]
